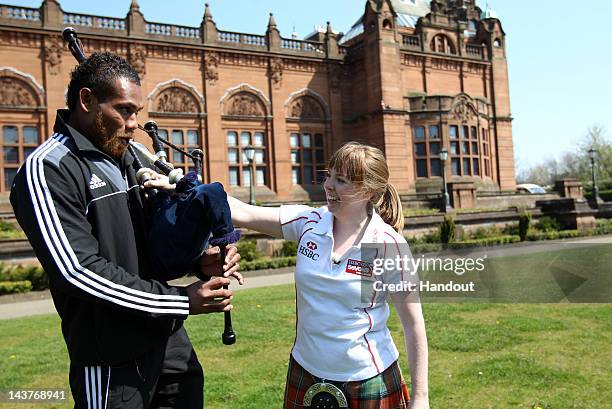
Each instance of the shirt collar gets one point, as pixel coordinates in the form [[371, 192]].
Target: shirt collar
[[325, 222], [373, 233]]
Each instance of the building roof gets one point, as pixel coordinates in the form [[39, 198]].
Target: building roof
[[408, 13]]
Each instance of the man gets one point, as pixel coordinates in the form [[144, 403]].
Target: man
[[77, 199]]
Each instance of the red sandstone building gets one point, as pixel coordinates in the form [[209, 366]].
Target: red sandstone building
[[411, 77]]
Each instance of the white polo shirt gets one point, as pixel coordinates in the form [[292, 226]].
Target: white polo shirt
[[341, 332]]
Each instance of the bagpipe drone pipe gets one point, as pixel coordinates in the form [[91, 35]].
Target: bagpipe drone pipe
[[182, 224]]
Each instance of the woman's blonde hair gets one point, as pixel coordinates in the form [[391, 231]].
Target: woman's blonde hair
[[367, 168]]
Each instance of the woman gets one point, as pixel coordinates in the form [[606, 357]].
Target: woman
[[343, 348]]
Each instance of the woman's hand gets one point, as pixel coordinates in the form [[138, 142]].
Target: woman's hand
[[158, 181]]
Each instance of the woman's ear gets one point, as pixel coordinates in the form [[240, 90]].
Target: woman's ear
[[87, 100]]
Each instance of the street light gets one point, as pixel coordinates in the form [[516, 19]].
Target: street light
[[445, 199], [593, 155], [249, 152]]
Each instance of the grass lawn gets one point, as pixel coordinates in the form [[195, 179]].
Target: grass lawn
[[481, 355]]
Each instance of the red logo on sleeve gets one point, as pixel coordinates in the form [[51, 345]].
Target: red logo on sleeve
[[359, 267]]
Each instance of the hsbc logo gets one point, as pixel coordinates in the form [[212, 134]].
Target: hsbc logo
[[309, 250]]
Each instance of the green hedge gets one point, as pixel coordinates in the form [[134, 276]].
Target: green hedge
[[14, 287], [266, 263], [33, 274], [489, 241], [605, 195], [556, 235]]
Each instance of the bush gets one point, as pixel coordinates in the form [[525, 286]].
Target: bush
[[511, 229], [484, 233], [548, 224], [289, 248], [34, 274], [523, 225], [248, 250], [7, 227], [266, 263], [447, 230], [433, 237], [489, 241], [556, 235], [14, 287]]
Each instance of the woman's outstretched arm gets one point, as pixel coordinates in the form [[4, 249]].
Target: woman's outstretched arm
[[262, 219]]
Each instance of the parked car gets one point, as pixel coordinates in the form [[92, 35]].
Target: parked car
[[530, 188]]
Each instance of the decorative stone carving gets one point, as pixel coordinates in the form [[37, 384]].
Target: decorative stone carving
[[463, 110], [276, 71], [176, 100], [244, 104], [306, 108], [211, 67], [52, 54], [15, 94], [138, 59]]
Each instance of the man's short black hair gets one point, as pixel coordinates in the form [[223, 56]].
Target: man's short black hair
[[99, 73]]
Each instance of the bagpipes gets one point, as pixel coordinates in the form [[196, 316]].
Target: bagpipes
[[183, 224]]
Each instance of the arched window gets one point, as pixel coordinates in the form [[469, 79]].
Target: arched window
[[497, 43], [306, 117], [442, 44], [245, 126], [387, 24], [20, 122], [176, 107]]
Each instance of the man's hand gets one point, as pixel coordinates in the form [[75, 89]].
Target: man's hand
[[207, 297], [210, 264]]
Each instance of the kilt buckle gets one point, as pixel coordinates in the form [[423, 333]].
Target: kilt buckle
[[323, 395]]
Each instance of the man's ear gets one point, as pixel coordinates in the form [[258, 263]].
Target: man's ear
[[87, 99]]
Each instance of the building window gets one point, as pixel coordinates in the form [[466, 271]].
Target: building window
[[421, 168], [427, 146], [419, 133], [474, 132], [239, 169], [307, 157], [436, 169], [18, 142], [434, 132], [442, 44], [420, 149], [465, 152], [187, 140], [455, 167]]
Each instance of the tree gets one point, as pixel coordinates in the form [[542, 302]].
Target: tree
[[575, 164]]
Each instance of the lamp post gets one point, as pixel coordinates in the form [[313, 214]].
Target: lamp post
[[445, 199], [593, 155], [249, 152]]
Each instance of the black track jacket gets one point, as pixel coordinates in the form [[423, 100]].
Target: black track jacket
[[83, 215]]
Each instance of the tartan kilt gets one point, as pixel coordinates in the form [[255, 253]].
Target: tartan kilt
[[384, 391]]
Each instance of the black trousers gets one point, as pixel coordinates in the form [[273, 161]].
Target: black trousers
[[167, 377]]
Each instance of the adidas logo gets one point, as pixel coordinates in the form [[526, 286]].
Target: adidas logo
[[96, 182]]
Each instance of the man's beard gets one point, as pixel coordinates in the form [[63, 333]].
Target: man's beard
[[108, 142]]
